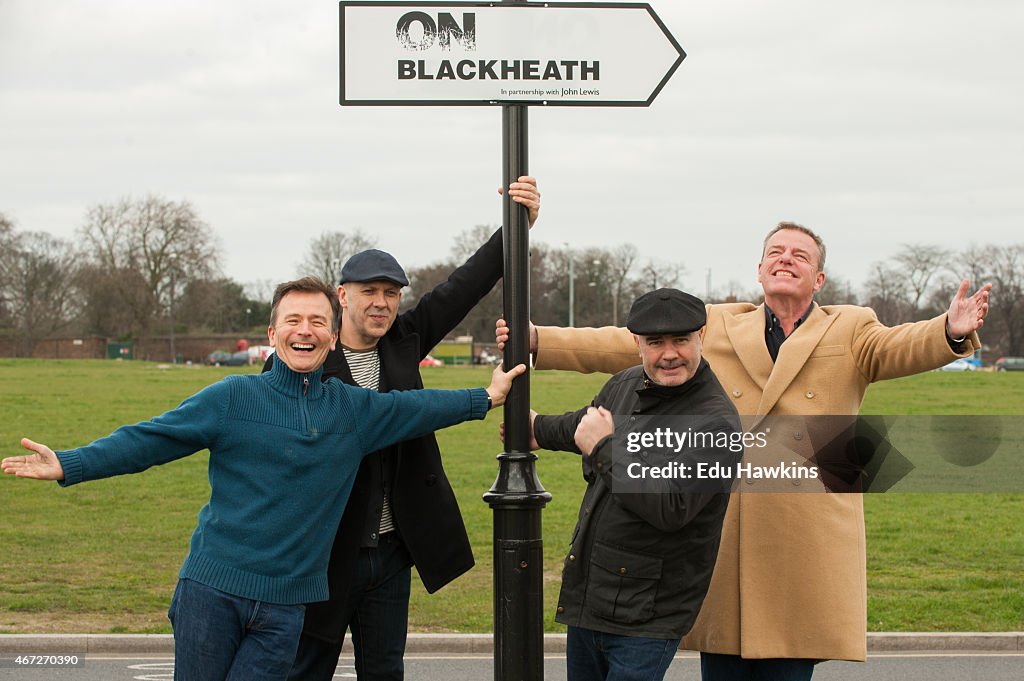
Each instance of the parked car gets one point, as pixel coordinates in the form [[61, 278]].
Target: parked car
[[486, 357], [1010, 364], [959, 365], [429, 361], [228, 359]]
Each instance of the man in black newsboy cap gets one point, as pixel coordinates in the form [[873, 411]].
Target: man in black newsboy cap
[[373, 265], [668, 327], [640, 562]]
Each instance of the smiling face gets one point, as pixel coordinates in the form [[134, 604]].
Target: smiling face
[[670, 359], [302, 330], [370, 310], [789, 268]]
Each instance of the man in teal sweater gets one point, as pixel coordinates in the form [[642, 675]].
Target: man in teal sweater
[[284, 451]]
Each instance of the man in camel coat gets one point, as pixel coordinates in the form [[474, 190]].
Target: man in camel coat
[[789, 588]]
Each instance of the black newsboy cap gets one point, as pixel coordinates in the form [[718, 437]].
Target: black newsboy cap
[[373, 265], [666, 310]]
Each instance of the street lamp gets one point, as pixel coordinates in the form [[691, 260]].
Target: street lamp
[[173, 258], [517, 497], [572, 285]]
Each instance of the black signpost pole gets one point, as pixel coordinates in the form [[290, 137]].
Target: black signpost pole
[[517, 496], [426, 73]]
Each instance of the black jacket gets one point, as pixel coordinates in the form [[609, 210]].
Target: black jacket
[[423, 505], [640, 564]]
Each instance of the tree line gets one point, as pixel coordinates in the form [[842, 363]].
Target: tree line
[[142, 267], [137, 268]]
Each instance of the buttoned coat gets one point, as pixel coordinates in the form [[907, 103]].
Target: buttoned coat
[[790, 580], [640, 564]]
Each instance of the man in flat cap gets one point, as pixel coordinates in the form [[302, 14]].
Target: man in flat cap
[[402, 510], [644, 548], [790, 587]]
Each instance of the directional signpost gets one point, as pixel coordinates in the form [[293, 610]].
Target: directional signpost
[[552, 53], [512, 54]]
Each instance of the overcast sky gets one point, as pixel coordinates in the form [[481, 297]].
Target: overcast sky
[[876, 123]]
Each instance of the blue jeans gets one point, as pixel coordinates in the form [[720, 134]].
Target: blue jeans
[[715, 667], [377, 612], [220, 637], [596, 656]]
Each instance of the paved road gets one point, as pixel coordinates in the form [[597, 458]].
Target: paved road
[[945, 666]]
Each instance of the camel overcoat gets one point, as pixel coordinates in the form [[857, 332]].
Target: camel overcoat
[[790, 581]]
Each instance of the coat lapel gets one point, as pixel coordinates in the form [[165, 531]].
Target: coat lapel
[[793, 355], [399, 363], [746, 330]]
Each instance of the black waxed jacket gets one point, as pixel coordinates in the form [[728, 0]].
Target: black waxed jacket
[[423, 505], [639, 564]]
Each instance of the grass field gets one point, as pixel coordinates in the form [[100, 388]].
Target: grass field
[[103, 556]]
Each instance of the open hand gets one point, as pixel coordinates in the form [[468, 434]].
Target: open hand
[[42, 464], [967, 313]]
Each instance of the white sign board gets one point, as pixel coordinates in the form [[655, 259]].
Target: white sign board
[[554, 53]]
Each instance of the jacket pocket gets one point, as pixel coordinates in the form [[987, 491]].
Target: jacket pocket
[[622, 584], [829, 351]]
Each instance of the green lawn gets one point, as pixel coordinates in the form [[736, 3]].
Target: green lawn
[[103, 557]]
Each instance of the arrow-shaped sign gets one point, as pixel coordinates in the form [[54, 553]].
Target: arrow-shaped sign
[[553, 53]]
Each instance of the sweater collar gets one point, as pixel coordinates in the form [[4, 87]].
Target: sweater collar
[[291, 382]]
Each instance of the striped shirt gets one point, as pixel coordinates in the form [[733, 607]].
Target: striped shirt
[[365, 368]]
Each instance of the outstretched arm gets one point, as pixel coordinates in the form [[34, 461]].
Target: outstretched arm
[[441, 309], [609, 348], [42, 464], [386, 418]]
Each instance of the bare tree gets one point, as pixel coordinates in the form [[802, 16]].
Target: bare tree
[[920, 265], [35, 271], [329, 251], [658, 274], [735, 291], [549, 297], [593, 288], [6, 244], [1006, 272], [973, 264], [886, 294], [158, 244], [221, 306], [111, 301], [6, 229], [479, 322], [469, 240], [620, 262], [836, 291]]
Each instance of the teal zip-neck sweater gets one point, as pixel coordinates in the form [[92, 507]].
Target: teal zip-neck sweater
[[284, 451]]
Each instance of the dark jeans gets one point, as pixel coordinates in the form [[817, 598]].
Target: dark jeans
[[714, 667], [220, 637], [377, 613], [596, 656]]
